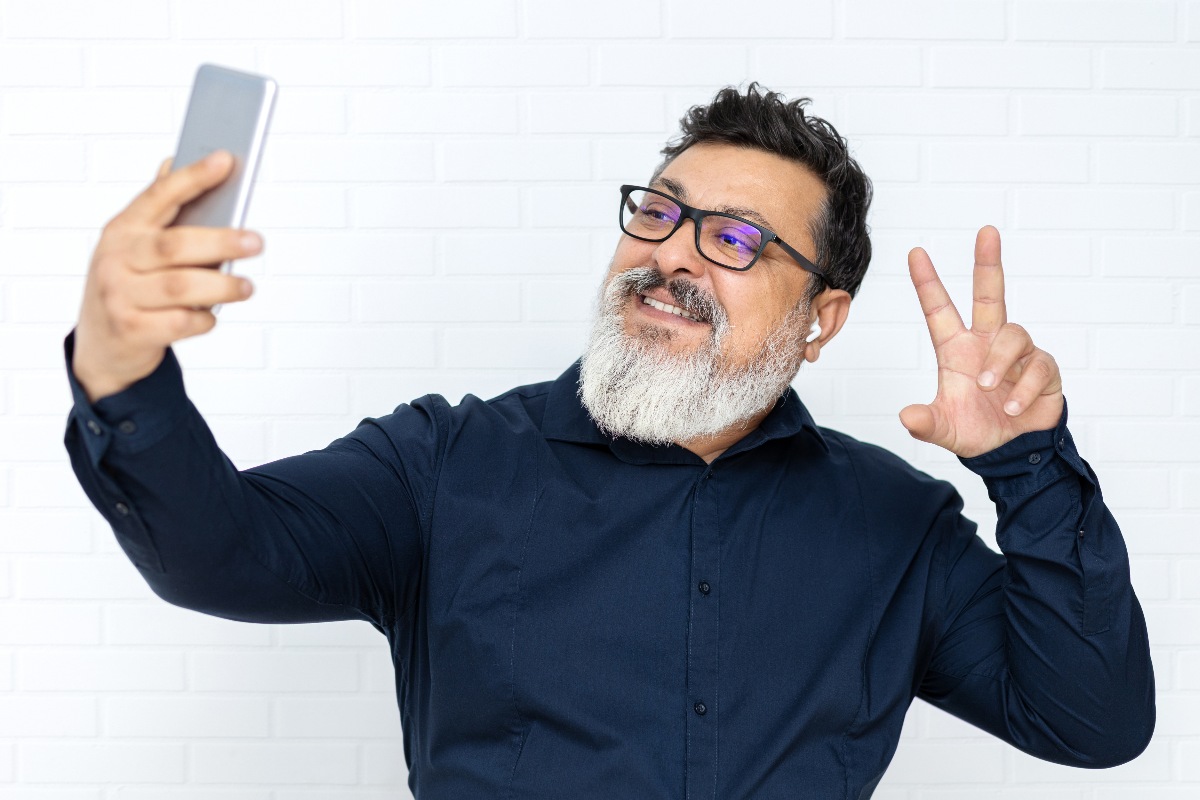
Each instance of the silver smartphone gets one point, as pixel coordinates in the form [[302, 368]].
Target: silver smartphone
[[228, 110]]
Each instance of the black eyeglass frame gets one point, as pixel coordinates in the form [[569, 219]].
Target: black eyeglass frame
[[697, 215]]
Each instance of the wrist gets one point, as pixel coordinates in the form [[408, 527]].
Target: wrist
[[102, 374]]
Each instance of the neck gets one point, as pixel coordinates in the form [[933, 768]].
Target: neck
[[710, 447]]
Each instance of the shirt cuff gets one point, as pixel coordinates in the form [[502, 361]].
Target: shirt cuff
[[130, 420], [1029, 462]]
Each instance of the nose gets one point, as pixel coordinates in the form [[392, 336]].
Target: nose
[[677, 255]]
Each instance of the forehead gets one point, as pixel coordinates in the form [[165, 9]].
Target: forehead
[[719, 177]]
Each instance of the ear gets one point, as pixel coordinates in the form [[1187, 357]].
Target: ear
[[830, 308]]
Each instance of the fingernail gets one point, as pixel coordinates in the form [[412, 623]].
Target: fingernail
[[1012, 408], [251, 242], [247, 288], [987, 379]]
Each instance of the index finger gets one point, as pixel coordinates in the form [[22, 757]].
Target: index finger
[[988, 311], [161, 200], [940, 314]]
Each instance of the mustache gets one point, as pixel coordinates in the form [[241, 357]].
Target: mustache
[[684, 294]]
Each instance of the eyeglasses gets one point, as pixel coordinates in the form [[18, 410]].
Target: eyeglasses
[[725, 240]]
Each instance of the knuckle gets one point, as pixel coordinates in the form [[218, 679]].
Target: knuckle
[[1041, 368], [174, 284], [166, 246], [1013, 329]]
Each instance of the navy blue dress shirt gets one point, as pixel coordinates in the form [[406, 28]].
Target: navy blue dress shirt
[[572, 616]]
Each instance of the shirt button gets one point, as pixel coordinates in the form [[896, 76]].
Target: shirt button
[[1062, 443], [122, 509], [127, 427], [1035, 458], [704, 587], [700, 709], [94, 427]]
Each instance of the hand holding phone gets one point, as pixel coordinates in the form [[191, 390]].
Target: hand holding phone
[[147, 286]]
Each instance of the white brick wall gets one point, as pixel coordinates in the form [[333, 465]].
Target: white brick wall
[[436, 201]]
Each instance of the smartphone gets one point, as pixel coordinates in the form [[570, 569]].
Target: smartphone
[[228, 110]]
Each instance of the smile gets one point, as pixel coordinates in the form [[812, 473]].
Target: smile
[[676, 310]]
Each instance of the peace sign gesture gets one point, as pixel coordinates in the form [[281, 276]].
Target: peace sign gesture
[[993, 383]]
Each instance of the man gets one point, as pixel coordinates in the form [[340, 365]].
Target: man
[[654, 576]]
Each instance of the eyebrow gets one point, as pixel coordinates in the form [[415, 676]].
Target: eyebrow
[[676, 188]]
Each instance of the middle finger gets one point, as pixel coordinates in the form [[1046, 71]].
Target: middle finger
[[185, 245]]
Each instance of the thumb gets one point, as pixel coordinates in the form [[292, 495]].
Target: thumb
[[919, 420]]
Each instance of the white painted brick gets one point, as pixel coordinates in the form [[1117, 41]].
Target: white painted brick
[[5, 580], [88, 207], [1146, 792], [1012, 793], [94, 112], [382, 764], [79, 578], [129, 160], [1148, 441], [449, 301], [1193, 21], [616, 19], [941, 762], [190, 717], [276, 300], [560, 301], [875, 347], [244, 441], [888, 160], [525, 252], [46, 300], [345, 63], [228, 346], [1191, 303], [1096, 115], [212, 670], [1148, 163], [174, 63], [628, 160], [379, 673], [924, 19], [379, 393], [594, 205], [1109, 301], [516, 159], [143, 762], [1191, 211], [1151, 578], [6, 671], [309, 111], [1188, 670], [1008, 162], [289, 437], [1150, 68], [268, 393], [297, 207], [52, 486], [1152, 765], [1038, 255], [1160, 534], [1191, 395], [550, 347], [451, 19], [710, 19], [705, 65], [274, 763], [597, 112], [45, 253], [512, 65], [1007, 67], [160, 624], [430, 112], [838, 65], [41, 65], [32, 439], [1113, 394], [883, 393], [1095, 209], [1188, 581], [369, 716], [265, 19], [1189, 488], [349, 253], [74, 19], [419, 208], [1127, 348], [204, 793], [1094, 21], [926, 114], [924, 208], [384, 158], [25, 716], [99, 670], [1151, 256]]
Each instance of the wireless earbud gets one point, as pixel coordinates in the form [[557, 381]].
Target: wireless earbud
[[816, 331]]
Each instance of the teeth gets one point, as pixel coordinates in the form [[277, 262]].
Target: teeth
[[676, 310]]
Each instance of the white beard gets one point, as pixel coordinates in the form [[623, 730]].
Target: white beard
[[634, 387]]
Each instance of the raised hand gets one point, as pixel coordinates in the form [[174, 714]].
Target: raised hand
[[993, 383], [150, 284]]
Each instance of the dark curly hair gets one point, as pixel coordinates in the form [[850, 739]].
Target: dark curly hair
[[765, 120]]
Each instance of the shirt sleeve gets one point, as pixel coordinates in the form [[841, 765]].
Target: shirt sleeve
[[328, 535], [1046, 645]]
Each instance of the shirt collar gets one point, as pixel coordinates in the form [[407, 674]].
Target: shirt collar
[[567, 420]]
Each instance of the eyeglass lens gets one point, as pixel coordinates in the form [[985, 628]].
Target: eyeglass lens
[[722, 239]]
